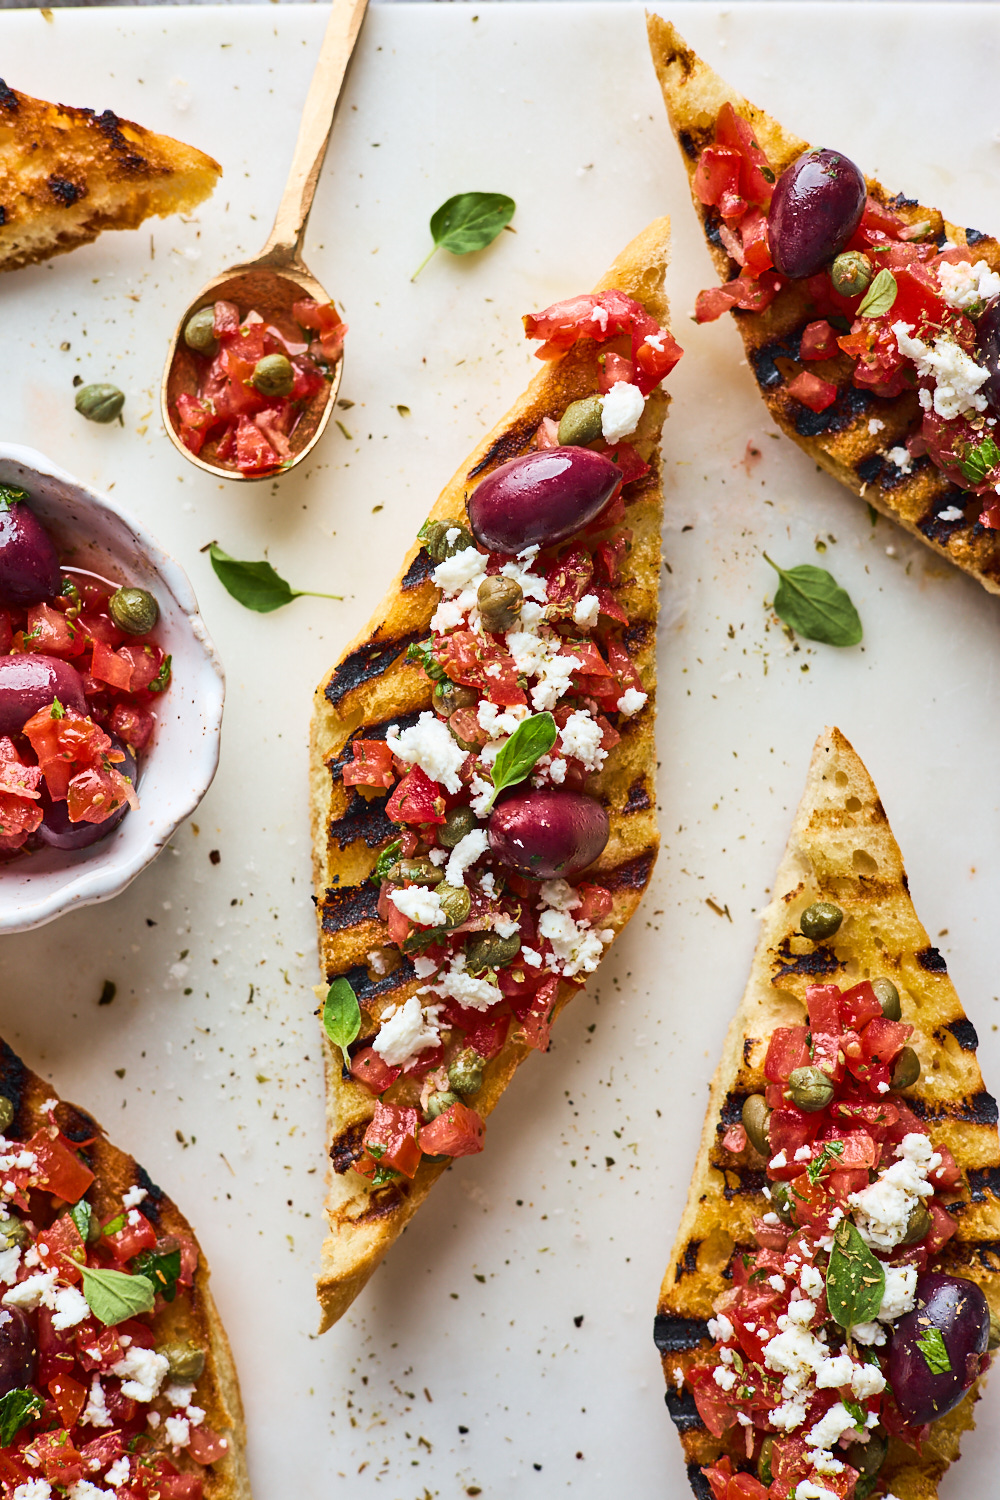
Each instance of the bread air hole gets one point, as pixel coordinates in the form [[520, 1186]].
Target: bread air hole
[[863, 863], [853, 804], [715, 1252]]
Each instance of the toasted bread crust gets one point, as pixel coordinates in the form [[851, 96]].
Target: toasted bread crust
[[841, 849], [838, 438], [193, 1317], [373, 684], [67, 174]]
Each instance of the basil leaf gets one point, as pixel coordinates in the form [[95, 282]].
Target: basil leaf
[[812, 602], [161, 1270], [81, 1213], [880, 295], [979, 460], [341, 1016], [855, 1280], [932, 1347], [114, 1296], [256, 585], [533, 738], [856, 1410], [17, 1409], [422, 651], [467, 222]]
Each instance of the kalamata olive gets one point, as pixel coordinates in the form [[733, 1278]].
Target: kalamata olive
[[29, 562], [58, 832], [988, 350], [817, 205], [28, 683], [936, 1350], [18, 1350], [548, 833], [541, 498]]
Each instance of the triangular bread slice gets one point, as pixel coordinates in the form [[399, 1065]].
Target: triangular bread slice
[[841, 849], [839, 438], [192, 1317], [67, 174], [373, 684]]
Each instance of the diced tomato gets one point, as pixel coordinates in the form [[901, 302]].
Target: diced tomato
[[56, 1349], [132, 723], [822, 1001], [858, 1006], [20, 812], [536, 1021], [786, 1051], [828, 1056], [110, 667], [180, 1486], [59, 1170], [487, 1033], [391, 1138], [96, 792], [608, 558], [480, 662], [205, 1447], [61, 1248], [735, 1139], [615, 368], [458, 1131], [65, 745], [195, 418], [325, 319], [713, 1408], [102, 1451], [55, 1455], [942, 1228], [717, 177], [756, 177], [254, 454], [725, 1485], [947, 1175], [131, 1237], [70, 1398], [790, 1129], [596, 904], [50, 632], [813, 392], [623, 666], [98, 1351], [879, 366], [567, 583], [654, 361], [369, 1068], [416, 799], [602, 316], [819, 341], [747, 293], [883, 1040], [371, 766], [756, 250]]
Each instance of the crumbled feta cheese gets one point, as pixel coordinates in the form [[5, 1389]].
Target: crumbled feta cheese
[[811, 1280], [82, 1489], [950, 513], [420, 904], [447, 616], [557, 770], [724, 1379], [900, 1293], [177, 1431], [153, 1419], [621, 411], [771, 1219], [868, 1334], [777, 1282], [438, 856], [531, 957], [587, 612], [806, 1490], [499, 721], [179, 1395], [963, 285], [720, 1328], [195, 1415], [31, 1292], [464, 855], [576, 948], [726, 1355], [33, 1489], [96, 1410], [884, 1207], [581, 738], [378, 961], [69, 1307], [141, 1372], [134, 1196], [553, 682], [423, 966], [118, 1472], [779, 1161], [466, 569], [560, 895], [956, 375], [874, 425], [902, 458], [631, 701], [788, 1415], [830, 1426], [804, 1153], [408, 1031], [824, 1462], [429, 745], [482, 796], [655, 341], [505, 927], [10, 1259], [867, 1380], [835, 1372], [456, 984], [532, 585]]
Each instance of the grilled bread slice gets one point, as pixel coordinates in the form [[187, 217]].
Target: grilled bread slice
[[839, 438], [372, 685], [841, 849], [67, 174], [192, 1317]]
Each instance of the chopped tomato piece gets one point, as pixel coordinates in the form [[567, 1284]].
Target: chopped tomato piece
[[111, 667], [325, 319], [205, 1447], [883, 1039], [371, 766], [536, 1021], [602, 316], [858, 1006], [567, 583], [596, 905], [97, 792], [69, 1396], [819, 341], [59, 1170], [132, 723], [947, 1175], [941, 1230], [725, 1485], [391, 1138], [458, 1131], [823, 1002], [716, 181], [368, 1068], [813, 392], [756, 177], [136, 1234], [61, 1248], [416, 799], [746, 292], [196, 418], [55, 1454], [50, 632], [65, 742]]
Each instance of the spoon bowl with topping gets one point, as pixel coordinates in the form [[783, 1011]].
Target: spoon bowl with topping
[[254, 367]]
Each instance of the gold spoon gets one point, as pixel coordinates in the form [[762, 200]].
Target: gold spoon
[[278, 276]]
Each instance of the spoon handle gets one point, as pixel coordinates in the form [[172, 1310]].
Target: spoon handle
[[285, 239]]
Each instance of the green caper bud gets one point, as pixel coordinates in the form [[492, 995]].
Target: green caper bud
[[13, 1232], [756, 1119], [851, 273], [458, 821], [499, 601], [821, 920], [764, 1462], [887, 996], [99, 403], [779, 1202], [6, 1111], [994, 1339], [273, 375], [809, 1089], [488, 950], [438, 1103], [435, 537], [455, 901], [581, 423], [414, 872], [186, 1361], [917, 1225], [465, 1072], [868, 1459], [133, 610], [449, 696], [907, 1070], [199, 331]]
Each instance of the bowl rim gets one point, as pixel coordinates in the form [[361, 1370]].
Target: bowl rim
[[85, 884]]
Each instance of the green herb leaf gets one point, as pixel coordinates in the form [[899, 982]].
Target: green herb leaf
[[256, 585], [880, 295], [855, 1280], [57, 711], [824, 1161], [161, 1269], [384, 1175], [932, 1347], [341, 1016], [812, 602], [81, 1213], [422, 652], [385, 861], [418, 941], [17, 1409], [857, 1411], [467, 222], [113, 1226], [533, 738], [979, 460], [11, 495], [114, 1296], [162, 679]]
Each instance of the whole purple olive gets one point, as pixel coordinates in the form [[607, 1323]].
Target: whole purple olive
[[58, 832], [988, 350], [29, 562], [18, 1350], [937, 1349], [818, 203], [547, 833], [28, 683], [541, 498]]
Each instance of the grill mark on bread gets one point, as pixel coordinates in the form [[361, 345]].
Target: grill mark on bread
[[750, 1182], [369, 661], [700, 1487], [508, 445], [633, 875], [383, 1203], [372, 989], [682, 1409], [670, 1334], [688, 1263], [820, 961], [934, 527], [346, 1148], [964, 1033], [974, 1109], [638, 797], [349, 906], [418, 572], [983, 1182], [931, 960], [365, 819]]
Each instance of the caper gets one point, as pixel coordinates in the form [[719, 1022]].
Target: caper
[[851, 273], [449, 696], [581, 422], [438, 1103], [809, 1089], [458, 724], [488, 950], [887, 996], [465, 1071], [455, 901], [917, 1225], [273, 375], [133, 610], [13, 1232], [821, 920], [186, 1361], [907, 1070], [868, 1459], [756, 1119], [199, 331], [994, 1339], [414, 872], [435, 537], [779, 1202], [764, 1462], [499, 601], [458, 821], [99, 403], [6, 1111]]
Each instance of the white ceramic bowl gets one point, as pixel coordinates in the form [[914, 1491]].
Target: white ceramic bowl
[[177, 769]]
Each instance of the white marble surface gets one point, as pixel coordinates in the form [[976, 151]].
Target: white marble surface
[[206, 1063]]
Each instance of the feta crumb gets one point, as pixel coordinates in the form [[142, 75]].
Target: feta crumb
[[811, 1280], [32, 1292], [429, 745], [423, 967], [505, 927], [868, 1334], [531, 957], [586, 612], [884, 1207], [96, 1410], [560, 895], [956, 375], [830, 1426], [179, 1395], [804, 1153], [118, 1472], [557, 770], [421, 905], [141, 1372], [724, 1379], [33, 1489], [82, 1489], [464, 855], [438, 856], [950, 513], [621, 411], [177, 1431], [134, 1196], [466, 569], [69, 1307], [900, 1293], [867, 1380], [576, 948], [581, 738], [776, 1162], [777, 1282], [874, 426], [963, 285], [10, 1259], [456, 984], [902, 458], [835, 1372], [408, 1031], [631, 701]]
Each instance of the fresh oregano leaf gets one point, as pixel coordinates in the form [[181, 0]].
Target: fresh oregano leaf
[[341, 1016], [81, 1213], [824, 1161], [385, 861], [932, 1347], [114, 1296], [162, 1269], [812, 602], [880, 295], [11, 495], [979, 460], [422, 652], [17, 1409], [856, 1410], [533, 738], [855, 1280], [256, 585], [467, 222]]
